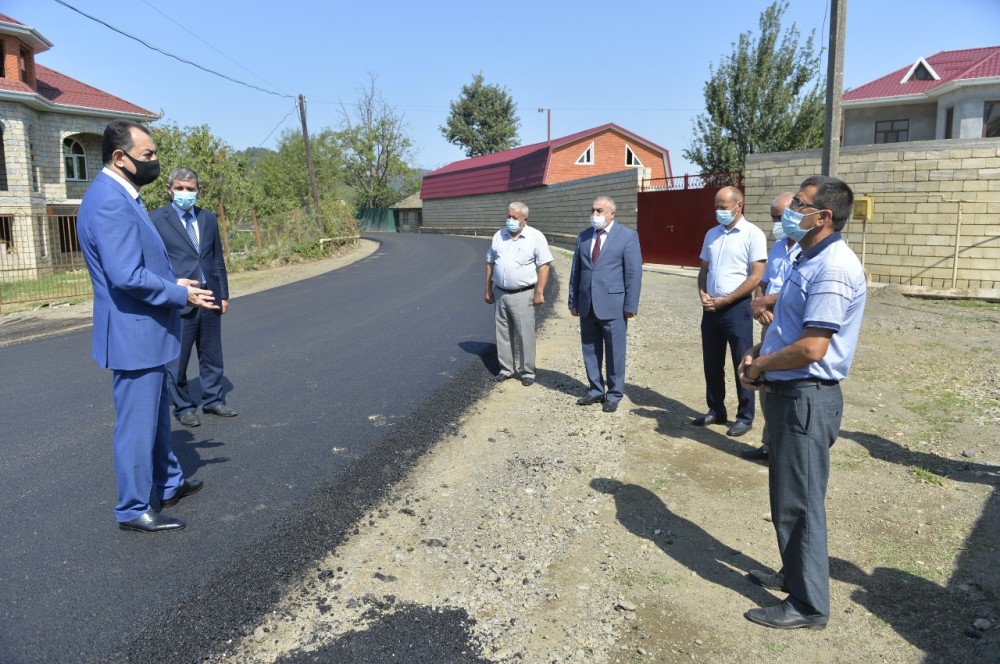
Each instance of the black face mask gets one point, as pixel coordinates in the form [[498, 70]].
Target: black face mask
[[145, 171]]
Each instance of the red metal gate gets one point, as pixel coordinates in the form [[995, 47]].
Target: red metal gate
[[674, 215]]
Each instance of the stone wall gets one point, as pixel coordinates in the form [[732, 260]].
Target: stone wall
[[560, 211], [930, 197]]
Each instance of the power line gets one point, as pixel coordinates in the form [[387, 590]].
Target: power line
[[171, 55], [204, 41], [280, 122]]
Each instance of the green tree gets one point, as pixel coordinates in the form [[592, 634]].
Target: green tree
[[376, 149], [766, 96], [483, 120], [222, 173], [284, 178]]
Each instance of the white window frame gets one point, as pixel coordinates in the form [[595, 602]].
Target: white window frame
[[587, 158], [635, 157], [78, 160]]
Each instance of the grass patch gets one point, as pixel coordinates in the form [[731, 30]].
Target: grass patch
[[28, 294], [660, 483], [927, 477], [977, 304], [775, 649], [654, 578]]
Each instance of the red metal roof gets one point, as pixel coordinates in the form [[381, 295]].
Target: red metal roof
[[519, 168], [950, 66]]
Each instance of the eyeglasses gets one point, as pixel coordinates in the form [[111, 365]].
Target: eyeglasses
[[798, 204], [597, 210]]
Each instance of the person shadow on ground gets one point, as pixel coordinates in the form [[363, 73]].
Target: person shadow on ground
[[189, 452], [673, 418], [644, 515]]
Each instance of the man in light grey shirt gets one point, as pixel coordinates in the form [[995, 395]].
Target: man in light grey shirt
[[517, 269]]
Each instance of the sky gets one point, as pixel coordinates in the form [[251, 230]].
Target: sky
[[641, 64]]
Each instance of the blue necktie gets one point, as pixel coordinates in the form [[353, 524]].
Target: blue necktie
[[193, 234]]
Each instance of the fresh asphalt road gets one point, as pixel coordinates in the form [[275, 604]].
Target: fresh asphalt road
[[341, 381]]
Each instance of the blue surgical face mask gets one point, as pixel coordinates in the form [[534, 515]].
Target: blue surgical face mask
[[598, 222], [185, 199], [513, 225], [724, 217], [778, 232], [790, 220]]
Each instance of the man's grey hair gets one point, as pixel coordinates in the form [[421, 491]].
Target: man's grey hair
[[182, 174], [610, 202], [519, 207]]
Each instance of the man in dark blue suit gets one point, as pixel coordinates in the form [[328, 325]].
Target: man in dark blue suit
[[604, 286], [191, 235], [137, 300]]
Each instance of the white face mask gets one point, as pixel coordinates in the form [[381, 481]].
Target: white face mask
[[778, 232], [598, 222]]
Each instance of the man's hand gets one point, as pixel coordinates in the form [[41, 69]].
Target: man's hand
[[225, 306], [198, 297], [629, 314], [539, 299], [574, 312], [707, 301], [765, 317], [748, 372], [488, 296]]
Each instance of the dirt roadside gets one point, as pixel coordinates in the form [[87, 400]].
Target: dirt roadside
[[568, 534]]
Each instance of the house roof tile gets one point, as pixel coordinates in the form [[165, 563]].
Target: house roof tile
[[950, 66], [64, 90]]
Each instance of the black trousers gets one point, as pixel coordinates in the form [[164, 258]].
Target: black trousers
[[732, 326]]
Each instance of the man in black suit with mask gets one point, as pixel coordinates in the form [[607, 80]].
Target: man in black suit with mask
[[191, 235]]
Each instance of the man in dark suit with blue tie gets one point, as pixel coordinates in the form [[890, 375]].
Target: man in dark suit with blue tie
[[137, 303], [604, 286], [191, 235]]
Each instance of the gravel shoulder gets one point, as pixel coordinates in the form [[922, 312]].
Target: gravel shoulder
[[560, 533]]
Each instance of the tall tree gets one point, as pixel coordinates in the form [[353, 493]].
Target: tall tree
[[283, 177], [376, 148], [483, 120], [766, 96], [221, 171]]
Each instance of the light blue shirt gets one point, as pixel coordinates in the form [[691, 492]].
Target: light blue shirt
[[516, 261], [826, 289], [194, 219], [730, 253], [779, 264]]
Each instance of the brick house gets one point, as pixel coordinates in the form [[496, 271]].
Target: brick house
[[51, 127], [949, 95], [586, 154]]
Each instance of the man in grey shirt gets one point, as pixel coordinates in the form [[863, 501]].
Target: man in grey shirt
[[517, 269]]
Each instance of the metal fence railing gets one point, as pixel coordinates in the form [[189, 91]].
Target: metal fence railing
[[40, 259], [700, 181]]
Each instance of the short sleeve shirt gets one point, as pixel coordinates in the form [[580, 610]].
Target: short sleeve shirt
[[730, 253], [516, 260], [779, 264], [826, 289]]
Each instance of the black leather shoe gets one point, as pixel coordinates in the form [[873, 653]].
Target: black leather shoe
[[610, 406], [784, 616], [189, 488], [708, 418], [771, 581], [755, 454], [189, 419], [589, 400], [738, 429], [152, 522], [527, 382], [222, 410], [501, 377]]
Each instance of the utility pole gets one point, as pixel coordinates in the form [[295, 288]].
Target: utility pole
[[548, 117], [834, 87], [309, 155]]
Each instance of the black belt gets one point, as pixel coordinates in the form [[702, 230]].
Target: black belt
[[794, 387], [516, 290]]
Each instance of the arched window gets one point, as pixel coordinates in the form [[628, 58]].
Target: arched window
[[76, 160]]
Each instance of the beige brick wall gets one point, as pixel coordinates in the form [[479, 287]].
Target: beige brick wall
[[559, 210], [929, 196]]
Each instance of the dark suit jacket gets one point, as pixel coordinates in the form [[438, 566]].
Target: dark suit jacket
[[612, 286], [136, 296], [184, 258]]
